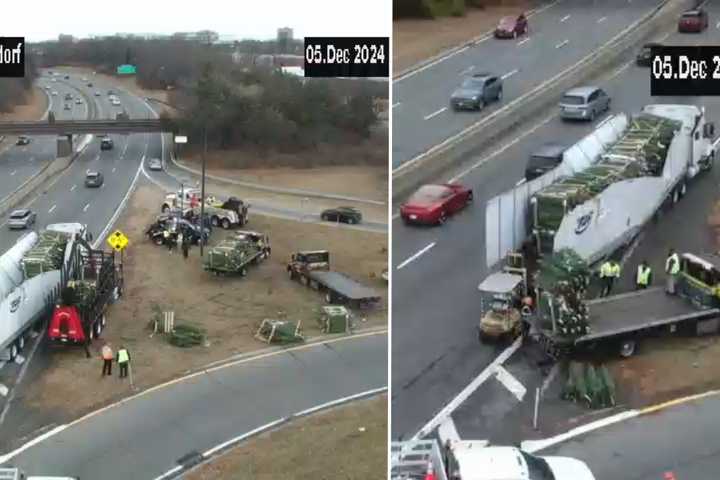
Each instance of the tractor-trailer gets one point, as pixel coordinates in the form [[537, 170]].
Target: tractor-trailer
[[312, 268], [619, 322], [28, 290]]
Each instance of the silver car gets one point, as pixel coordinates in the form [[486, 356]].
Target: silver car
[[155, 164], [20, 219], [584, 103]]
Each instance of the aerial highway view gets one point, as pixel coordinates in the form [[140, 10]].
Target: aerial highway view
[[554, 241], [193, 248]]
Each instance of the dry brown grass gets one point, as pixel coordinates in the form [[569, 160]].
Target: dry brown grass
[[348, 443]]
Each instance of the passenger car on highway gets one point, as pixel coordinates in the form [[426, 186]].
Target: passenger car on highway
[[94, 179], [584, 103], [54, 92], [67, 106], [476, 91], [432, 204], [512, 27], [155, 164], [22, 140], [106, 144], [693, 21], [97, 94], [78, 101], [545, 158], [644, 56], [23, 218], [349, 215]]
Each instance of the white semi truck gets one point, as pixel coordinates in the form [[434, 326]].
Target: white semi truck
[[25, 298]]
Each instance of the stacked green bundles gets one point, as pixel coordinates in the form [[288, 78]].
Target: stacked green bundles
[[641, 151], [230, 255], [80, 293], [279, 331], [563, 278], [591, 386], [48, 254]]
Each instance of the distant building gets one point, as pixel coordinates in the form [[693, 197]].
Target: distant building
[[63, 38], [285, 34]]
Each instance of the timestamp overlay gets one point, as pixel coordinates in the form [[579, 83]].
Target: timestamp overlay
[[685, 71], [347, 56]]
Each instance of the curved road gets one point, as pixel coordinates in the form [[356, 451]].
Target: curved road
[[435, 299], [145, 436], [682, 440], [561, 33]]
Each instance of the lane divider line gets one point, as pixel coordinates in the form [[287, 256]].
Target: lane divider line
[[562, 44], [509, 381], [467, 70], [601, 19], [563, 19], [509, 74], [52, 208], [521, 42], [415, 256], [447, 410], [428, 117]]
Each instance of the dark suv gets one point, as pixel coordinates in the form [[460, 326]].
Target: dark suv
[[106, 144], [476, 91], [544, 159]]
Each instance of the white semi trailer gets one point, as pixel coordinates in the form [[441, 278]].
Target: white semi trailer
[[24, 301]]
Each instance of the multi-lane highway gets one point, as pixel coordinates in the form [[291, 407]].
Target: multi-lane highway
[[435, 299], [561, 33], [148, 435], [674, 443]]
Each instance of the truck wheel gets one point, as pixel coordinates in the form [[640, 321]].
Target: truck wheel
[[329, 297], [21, 342], [627, 348], [442, 218], [683, 189], [226, 224], [165, 208], [91, 333], [158, 240], [98, 329], [13, 351], [103, 322], [351, 221], [243, 271], [675, 196]]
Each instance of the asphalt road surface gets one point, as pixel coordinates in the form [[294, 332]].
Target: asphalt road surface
[[145, 437], [678, 443], [561, 34], [435, 301]]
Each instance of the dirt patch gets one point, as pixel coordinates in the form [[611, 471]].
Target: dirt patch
[[34, 107], [230, 309], [349, 443], [415, 40]]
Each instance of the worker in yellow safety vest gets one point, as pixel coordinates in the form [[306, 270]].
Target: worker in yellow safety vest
[[672, 268], [644, 275], [123, 360], [606, 278]]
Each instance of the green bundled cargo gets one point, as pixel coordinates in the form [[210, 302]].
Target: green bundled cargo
[[80, 293], [232, 256], [279, 331], [185, 336], [591, 386], [563, 279], [46, 255], [334, 319]]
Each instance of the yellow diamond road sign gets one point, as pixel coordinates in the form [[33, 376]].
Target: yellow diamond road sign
[[118, 241]]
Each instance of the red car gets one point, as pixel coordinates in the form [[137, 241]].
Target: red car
[[432, 204], [693, 21], [512, 27]]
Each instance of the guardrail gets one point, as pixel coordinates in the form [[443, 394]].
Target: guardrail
[[67, 127], [453, 151]]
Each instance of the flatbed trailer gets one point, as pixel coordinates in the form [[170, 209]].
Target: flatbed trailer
[[619, 322], [312, 269]]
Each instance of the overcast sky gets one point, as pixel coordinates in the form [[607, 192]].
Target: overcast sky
[[259, 19]]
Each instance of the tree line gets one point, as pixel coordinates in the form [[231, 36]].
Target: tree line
[[15, 91], [441, 8]]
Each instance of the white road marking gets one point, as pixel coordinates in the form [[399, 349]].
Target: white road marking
[[415, 256], [52, 208], [511, 383], [396, 104], [564, 18], [717, 25], [448, 432], [13, 172], [113, 170], [520, 182], [601, 19], [562, 44], [32, 159], [509, 74], [467, 391], [86, 207], [73, 188], [428, 117], [467, 70], [525, 40]]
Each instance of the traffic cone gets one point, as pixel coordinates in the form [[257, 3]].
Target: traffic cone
[[430, 475]]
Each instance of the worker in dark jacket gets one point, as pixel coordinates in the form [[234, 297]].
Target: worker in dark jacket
[[123, 360]]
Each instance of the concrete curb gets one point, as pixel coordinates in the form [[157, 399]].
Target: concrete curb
[[286, 191], [195, 460], [453, 151]]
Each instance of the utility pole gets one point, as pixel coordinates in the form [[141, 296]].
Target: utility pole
[[202, 187]]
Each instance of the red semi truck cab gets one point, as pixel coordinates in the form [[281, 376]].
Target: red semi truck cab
[[66, 325]]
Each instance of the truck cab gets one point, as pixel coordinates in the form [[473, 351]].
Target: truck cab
[[17, 474], [309, 260]]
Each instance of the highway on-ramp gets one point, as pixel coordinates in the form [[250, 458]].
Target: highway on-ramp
[[561, 33], [436, 270], [145, 436], [681, 442]]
